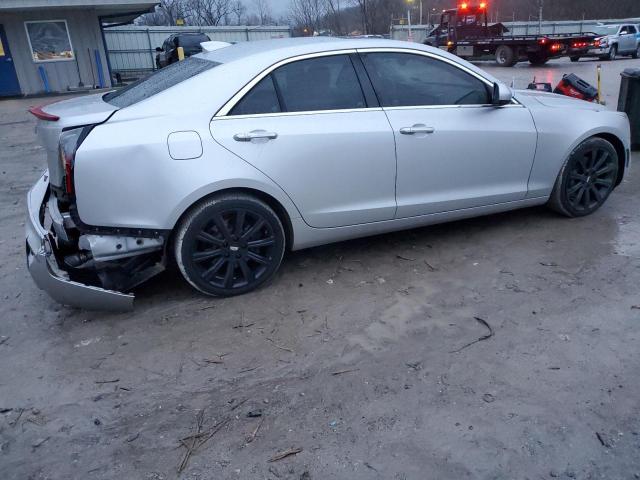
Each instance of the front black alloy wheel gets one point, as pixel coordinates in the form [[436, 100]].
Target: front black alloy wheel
[[229, 245], [587, 179]]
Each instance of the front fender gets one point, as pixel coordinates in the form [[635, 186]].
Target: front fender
[[560, 131]]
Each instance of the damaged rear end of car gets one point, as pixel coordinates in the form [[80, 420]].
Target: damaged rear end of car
[[77, 264]]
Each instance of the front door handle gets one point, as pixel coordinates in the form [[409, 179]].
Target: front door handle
[[255, 134], [416, 129]]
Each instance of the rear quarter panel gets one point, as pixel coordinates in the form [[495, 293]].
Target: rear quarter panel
[[125, 177]]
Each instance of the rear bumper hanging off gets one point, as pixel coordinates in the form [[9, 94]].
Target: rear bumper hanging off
[[45, 270]]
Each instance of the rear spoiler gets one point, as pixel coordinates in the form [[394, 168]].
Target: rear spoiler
[[42, 115]]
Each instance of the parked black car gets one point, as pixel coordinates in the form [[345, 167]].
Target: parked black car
[[190, 42]]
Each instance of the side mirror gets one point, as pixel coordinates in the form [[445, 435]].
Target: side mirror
[[158, 49], [502, 95]]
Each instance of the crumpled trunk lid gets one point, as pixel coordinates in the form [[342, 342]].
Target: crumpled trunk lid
[[75, 112]]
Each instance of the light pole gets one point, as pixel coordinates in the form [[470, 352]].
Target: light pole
[[409, 5], [540, 4]]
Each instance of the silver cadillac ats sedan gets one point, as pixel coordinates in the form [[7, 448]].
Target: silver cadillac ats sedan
[[227, 159]]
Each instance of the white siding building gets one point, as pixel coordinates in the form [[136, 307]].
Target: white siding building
[[49, 46]]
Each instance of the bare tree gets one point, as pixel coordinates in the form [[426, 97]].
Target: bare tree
[[263, 11], [308, 14], [209, 12], [167, 13], [238, 10]]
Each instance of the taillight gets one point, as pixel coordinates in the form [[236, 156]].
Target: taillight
[[69, 142]]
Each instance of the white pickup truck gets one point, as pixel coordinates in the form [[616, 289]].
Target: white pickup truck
[[614, 40]]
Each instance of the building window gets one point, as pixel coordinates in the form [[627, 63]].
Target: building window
[[49, 40]]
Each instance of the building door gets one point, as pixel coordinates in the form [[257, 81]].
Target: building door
[[8, 79]]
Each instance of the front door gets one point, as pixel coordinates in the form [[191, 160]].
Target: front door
[[454, 150], [308, 126], [8, 79]]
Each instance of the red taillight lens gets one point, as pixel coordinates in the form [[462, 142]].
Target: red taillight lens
[[69, 143]]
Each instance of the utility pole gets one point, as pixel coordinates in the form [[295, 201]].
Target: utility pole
[[420, 22], [540, 5], [409, 5]]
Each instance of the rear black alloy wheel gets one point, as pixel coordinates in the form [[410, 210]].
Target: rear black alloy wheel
[[587, 179], [230, 245]]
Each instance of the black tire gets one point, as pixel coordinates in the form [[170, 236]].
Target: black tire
[[229, 244], [537, 58], [586, 180], [613, 53], [505, 56], [574, 59], [636, 54]]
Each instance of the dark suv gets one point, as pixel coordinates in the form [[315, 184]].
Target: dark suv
[[190, 42]]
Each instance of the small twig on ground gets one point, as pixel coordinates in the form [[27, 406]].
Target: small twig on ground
[[430, 267], [250, 369], [285, 454], [280, 346], [39, 443], [252, 436], [3, 339], [193, 442], [14, 422], [220, 358], [602, 440], [340, 372], [368, 465], [115, 380], [237, 404], [484, 337], [405, 258]]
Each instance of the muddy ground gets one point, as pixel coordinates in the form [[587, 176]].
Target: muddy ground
[[359, 354]]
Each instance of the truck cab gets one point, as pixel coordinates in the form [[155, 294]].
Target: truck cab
[[465, 21]]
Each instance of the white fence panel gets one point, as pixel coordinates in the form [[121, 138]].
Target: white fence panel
[[131, 48]]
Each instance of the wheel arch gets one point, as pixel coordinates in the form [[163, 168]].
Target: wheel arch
[[620, 150], [267, 198]]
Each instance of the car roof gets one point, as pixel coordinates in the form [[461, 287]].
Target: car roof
[[280, 48]]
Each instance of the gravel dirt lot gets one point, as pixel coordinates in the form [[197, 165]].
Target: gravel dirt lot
[[359, 353]]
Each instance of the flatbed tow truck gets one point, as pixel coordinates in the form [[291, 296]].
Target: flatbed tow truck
[[466, 32]]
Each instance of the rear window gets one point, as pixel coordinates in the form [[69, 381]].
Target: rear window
[[192, 40], [159, 81]]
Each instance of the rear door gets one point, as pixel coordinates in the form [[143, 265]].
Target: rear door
[[454, 149], [8, 79], [309, 125], [626, 41]]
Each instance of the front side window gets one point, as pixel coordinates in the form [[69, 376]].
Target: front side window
[[405, 79], [323, 83], [49, 40]]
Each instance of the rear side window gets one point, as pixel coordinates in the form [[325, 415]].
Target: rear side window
[[405, 79], [261, 99], [192, 40], [158, 81], [324, 83]]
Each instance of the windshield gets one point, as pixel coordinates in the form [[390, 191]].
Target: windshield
[[192, 40], [606, 29], [158, 81]]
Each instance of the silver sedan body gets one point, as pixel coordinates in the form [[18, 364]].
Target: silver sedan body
[[331, 174]]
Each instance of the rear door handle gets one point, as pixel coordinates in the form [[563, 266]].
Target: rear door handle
[[255, 134], [416, 129]]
